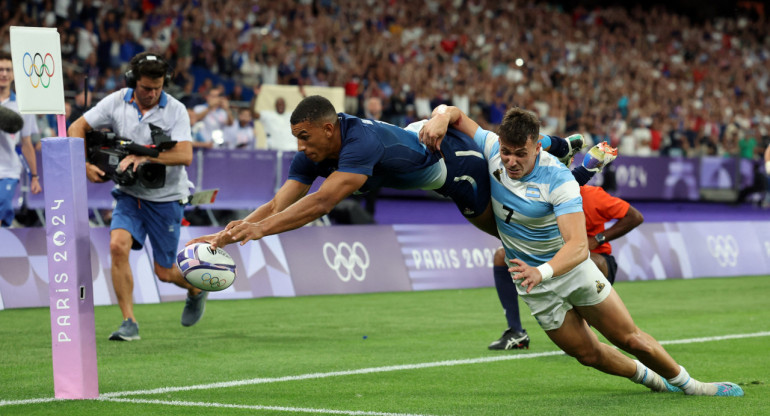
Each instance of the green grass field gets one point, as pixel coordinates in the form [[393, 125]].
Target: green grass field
[[420, 353]]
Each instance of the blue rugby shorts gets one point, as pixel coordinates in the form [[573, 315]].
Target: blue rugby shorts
[[467, 180], [162, 221]]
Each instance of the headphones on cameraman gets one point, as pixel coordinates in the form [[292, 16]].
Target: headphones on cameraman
[[131, 75]]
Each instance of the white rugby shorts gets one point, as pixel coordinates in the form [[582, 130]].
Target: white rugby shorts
[[549, 301]]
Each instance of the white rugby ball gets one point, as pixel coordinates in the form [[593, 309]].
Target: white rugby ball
[[205, 267]]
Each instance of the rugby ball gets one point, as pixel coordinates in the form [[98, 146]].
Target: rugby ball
[[205, 267]]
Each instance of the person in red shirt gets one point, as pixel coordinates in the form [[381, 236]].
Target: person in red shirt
[[599, 207]]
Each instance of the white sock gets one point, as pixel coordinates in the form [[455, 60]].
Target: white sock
[[692, 386], [648, 378]]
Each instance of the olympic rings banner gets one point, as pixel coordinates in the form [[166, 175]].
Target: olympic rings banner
[[379, 258], [37, 70]]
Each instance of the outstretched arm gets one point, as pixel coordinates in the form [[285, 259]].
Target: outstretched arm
[[337, 187], [290, 192]]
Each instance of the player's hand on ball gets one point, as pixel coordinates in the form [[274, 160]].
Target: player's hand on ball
[[529, 276], [233, 224], [210, 238], [243, 232]]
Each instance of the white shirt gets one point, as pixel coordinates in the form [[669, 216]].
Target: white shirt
[[278, 130], [119, 112], [10, 164], [87, 43], [239, 137], [214, 120]]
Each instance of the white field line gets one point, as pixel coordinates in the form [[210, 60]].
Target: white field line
[[371, 370], [314, 411]]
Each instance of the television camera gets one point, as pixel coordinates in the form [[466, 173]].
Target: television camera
[[107, 149]]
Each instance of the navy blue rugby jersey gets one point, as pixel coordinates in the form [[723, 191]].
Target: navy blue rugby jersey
[[391, 156]]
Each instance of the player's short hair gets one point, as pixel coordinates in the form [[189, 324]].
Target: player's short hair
[[315, 109], [5, 56], [518, 126]]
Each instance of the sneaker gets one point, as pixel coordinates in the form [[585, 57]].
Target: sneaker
[[728, 389], [599, 156], [511, 340], [575, 143], [194, 308], [128, 331]]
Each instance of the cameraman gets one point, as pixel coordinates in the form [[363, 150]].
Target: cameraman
[[140, 211]]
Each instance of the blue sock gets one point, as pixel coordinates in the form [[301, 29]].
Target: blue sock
[[509, 298], [582, 175]]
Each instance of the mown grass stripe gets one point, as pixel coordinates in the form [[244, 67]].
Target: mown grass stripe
[[370, 370]]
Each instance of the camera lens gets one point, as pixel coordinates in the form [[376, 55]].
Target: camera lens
[[152, 175]]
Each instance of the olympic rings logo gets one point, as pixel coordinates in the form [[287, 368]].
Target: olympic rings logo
[[213, 281], [724, 249], [347, 261], [39, 69]]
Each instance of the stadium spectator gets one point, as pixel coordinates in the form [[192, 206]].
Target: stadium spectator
[[548, 249], [10, 164], [237, 94], [140, 211], [353, 88], [210, 119], [88, 40], [373, 110], [240, 134], [277, 127], [651, 73]]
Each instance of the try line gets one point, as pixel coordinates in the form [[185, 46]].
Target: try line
[[370, 370], [311, 410]]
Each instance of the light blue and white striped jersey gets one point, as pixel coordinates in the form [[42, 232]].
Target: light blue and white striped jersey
[[526, 209]]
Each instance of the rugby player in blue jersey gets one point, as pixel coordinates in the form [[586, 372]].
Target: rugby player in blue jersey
[[539, 216], [358, 155]]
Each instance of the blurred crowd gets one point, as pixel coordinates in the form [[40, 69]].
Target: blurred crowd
[[647, 80]]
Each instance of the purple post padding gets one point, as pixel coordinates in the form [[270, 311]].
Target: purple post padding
[[73, 342]]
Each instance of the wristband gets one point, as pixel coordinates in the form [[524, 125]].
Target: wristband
[[34, 176], [545, 270]]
